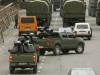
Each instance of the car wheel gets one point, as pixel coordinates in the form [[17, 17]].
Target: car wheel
[[79, 49], [57, 50], [42, 52], [89, 38], [65, 51], [11, 70], [35, 69]]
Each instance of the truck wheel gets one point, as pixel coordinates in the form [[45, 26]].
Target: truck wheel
[[11, 70], [38, 59], [42, 52], [79, 49], [35, 69], [57, 50], [54, 9], [65, 51]]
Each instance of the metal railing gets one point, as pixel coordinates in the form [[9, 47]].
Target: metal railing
[[6, 16]]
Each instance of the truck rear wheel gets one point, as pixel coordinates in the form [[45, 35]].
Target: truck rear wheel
[[35, 69], [79, 49], [11, 70], [38, 59], [57, 50], [42, 52]]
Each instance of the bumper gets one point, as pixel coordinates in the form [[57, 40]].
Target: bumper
[[23, 65]]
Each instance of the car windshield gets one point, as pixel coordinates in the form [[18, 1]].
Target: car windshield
[[82, 26], [27, 20]]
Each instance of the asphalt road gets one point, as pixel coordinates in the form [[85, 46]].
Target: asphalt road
[[56, 65]]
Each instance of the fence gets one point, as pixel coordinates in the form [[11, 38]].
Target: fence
[[6, 16]]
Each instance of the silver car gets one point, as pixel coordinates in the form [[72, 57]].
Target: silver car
[[81, 71]]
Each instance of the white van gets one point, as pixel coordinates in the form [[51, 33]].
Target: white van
[[83, 30]]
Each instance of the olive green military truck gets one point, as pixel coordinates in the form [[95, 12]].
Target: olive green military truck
[[61, 42], [72, 11], [56, 4], [42, 9], [98, 13], [22, 56]]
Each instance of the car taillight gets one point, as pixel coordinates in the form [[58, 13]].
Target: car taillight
[[37, 48], [48, 42], [88, 32], [34, 57], [10, 58]]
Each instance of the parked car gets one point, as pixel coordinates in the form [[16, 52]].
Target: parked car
[[83, 30], [81, 71], [67, 29]]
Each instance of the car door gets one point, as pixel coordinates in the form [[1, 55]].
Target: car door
[[64, 41], [72, 41]]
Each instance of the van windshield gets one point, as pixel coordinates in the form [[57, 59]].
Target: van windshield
[[27, 20], [82, 26]]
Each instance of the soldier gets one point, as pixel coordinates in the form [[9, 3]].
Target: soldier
[[16, 20]]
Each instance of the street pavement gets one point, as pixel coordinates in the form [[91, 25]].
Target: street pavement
[[50, 64]]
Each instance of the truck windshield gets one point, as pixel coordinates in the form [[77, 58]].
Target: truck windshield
[[27, 20]]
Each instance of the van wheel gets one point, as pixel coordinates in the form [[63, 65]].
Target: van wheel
[[11, 70], [35, 69], [57, 50], [79, 49], [19, 33]]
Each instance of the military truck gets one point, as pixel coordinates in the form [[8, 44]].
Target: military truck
[[32, 40], [98, 13], [22, 55], [56, 4], [92, 7], [61, 41], [42, 9], [72, 11]]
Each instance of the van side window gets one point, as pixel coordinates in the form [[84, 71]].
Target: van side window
[[27, 20]]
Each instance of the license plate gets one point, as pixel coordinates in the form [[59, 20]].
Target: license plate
[[40, 46], [27, 29], [22, 63]]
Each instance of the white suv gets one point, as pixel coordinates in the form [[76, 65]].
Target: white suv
[[83, 30]]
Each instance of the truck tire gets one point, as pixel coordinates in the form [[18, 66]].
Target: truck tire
[[79, 49], [57, 50], [54, 10], [42, 52], [65, 51], [38, 59], [11, 70], [35, 69]]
